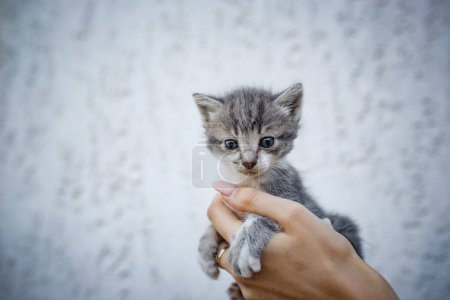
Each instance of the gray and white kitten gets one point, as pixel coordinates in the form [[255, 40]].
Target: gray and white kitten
[[252, 130]]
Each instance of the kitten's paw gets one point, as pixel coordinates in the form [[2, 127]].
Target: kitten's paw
[[234, 292], [207, 249], [244, 254], [209, 266]]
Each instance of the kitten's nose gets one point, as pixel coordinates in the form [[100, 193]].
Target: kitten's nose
[[249, 164]]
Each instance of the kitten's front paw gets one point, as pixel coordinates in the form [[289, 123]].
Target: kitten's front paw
[[245, 252], [207, 249]]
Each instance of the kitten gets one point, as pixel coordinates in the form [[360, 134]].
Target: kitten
[[252, 130]]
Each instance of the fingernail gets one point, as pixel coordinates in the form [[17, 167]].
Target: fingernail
[[225, 188]]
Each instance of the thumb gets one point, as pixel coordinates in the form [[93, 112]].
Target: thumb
[[285, 212]]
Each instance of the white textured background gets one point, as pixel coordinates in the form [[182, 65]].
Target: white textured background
[[97, 127]]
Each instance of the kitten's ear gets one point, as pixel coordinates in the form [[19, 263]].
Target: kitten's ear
[[291, 100], [207, 106]]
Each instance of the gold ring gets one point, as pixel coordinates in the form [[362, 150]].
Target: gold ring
[[219, 255]]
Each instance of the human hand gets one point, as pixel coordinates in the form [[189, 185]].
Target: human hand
[[307, 260]]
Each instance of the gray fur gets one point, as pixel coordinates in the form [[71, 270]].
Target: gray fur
[[247, 115], [208, 248]]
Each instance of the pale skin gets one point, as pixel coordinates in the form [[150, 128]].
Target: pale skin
[[307, 260]]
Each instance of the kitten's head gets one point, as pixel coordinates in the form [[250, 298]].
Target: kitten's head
[[251, 129]]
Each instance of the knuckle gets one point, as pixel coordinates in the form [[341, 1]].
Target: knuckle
[[295, 214], [245, 197], [341, 246]]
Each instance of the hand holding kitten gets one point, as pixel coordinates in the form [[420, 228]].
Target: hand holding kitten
[[306, 260]]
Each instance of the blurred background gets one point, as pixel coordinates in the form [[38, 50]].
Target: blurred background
[[98, 127]]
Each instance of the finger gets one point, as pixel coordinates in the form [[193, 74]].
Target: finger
[[224, 264], [285, 212], [223, 219], [223, 261]]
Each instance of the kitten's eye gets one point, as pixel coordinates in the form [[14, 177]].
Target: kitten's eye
[[267, 142], [231, 144]]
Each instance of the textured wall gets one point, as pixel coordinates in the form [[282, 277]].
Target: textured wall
[[97, 128]]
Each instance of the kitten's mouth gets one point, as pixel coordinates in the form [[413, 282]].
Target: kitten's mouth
[[252, 172]]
